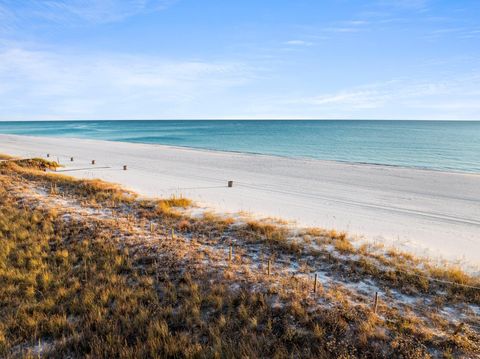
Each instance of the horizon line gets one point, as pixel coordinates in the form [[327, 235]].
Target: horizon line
[[249, 119]]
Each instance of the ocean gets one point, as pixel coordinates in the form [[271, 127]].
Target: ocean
[[437, 145]]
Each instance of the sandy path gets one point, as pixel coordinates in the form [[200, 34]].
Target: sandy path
[[433, 213]]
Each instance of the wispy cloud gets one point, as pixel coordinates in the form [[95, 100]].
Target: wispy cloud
[[298, 43], [94, 11], [457, 32], [458, 95], [406, 4], [342, 29], [347, 26], [6, 17], [298, 76], [377, 95], [109, 85]]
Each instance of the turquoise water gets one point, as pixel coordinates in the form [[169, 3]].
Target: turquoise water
[[440, 145]]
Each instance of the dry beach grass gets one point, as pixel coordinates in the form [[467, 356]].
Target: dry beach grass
[[87, 269]]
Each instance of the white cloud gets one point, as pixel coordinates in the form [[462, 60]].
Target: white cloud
[[378, 95], [72, 11], [454, 98], [5, 19], [406, 4], [347, 26], [342, 29], [298, 43], [36, 84], [45, 85], [356, 22]]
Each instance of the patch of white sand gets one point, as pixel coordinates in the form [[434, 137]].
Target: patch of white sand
[[430, 212]]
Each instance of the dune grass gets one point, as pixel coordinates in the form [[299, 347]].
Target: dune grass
[[73, 290], [83, 286]]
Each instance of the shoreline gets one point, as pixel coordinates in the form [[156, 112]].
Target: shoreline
[[380, 203], [301, 158]]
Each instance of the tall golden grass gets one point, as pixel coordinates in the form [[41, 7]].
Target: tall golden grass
[[81, 286]]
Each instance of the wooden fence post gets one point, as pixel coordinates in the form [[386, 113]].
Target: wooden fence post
[[230, 184], [268, 267], [93, 162], [459, 328], [230, 254], [315, 284], [375, 303]]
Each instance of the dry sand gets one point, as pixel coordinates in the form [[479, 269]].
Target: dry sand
[[430, 212]]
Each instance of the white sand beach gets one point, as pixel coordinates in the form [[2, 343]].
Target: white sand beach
[[430, 212]]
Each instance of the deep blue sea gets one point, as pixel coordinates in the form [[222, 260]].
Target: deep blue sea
[[440, 145]]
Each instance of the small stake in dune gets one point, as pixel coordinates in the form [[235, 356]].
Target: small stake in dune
[[459, 328], [124, 167], [71, 159], [315, 284], [48, 155], [93, 162], [268, 267], [375, 303], [173, 234], [151, 227], [230, 184]]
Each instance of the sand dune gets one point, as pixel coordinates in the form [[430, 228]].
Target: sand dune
[[433, 213]]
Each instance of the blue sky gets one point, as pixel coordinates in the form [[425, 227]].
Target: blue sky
[[155, 59]]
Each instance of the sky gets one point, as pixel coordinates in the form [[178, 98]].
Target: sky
[[242, 59]]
